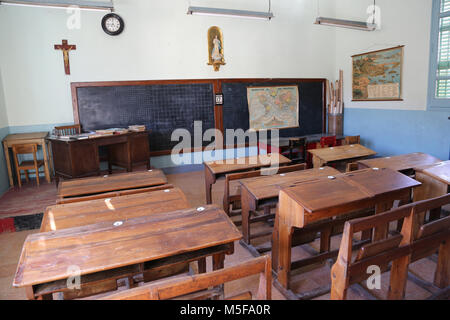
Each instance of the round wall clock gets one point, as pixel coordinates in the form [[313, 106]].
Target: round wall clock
[[112, 24]]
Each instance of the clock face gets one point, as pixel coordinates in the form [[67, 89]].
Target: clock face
[[112, 24]]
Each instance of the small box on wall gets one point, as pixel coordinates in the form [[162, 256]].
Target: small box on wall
[[219, 99]]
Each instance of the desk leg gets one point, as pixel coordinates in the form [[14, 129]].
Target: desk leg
[[209, 180], [247, 204], [275, 242], [317, 163], [130, 161], [30, 293], [46, 157], [284, 254], [219, 263], [442, 275], [50, 158], [8, 164]]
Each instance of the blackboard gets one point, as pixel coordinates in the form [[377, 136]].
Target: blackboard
[[311, 106], [162, 108]]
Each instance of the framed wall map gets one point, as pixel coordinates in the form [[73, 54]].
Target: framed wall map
[[273, 107], [377, 75]]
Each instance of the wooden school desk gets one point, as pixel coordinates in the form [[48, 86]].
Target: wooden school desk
[[23, 138], [216, 169], [314, 201], [112, 209], [323, 156], [263, 190], [107, 183], [126, 247], [435, 180], [312, 142], [403, 163]]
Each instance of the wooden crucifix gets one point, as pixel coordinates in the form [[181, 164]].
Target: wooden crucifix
[[65, 49]]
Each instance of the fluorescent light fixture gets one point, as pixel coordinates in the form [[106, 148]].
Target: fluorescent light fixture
[[62, 4], [230, 13], [358, 25]]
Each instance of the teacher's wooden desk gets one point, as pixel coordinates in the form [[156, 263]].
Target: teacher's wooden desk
[[38, 138], [315, 201], [123, 249], [77, 158], [216, 169]]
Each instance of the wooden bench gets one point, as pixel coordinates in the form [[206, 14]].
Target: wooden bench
[[196, 287], [416, 241], [232, 193]]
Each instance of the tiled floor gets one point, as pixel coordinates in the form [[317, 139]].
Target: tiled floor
[[192, 184]]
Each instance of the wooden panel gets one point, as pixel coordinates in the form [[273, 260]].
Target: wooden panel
[[113, 209], [381, 181], [325, 193], [131, 180], [342, 152], [103, 246], [400, 163], [112, 194], [439, 171], [265, 187], [242, 164]]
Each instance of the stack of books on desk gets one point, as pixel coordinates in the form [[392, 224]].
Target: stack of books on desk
[[136, 128], [105, 132]]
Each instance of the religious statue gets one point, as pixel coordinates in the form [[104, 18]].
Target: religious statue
[[215, 48]]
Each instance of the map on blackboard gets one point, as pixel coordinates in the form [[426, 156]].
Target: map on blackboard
[[377, 75], [273, 107]]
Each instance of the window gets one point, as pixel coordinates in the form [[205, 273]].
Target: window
[[439, 76]]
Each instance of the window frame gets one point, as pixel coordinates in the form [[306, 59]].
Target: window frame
[[433, 102]]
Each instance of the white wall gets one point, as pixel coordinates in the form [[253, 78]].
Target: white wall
[[160, 41], [403, 22], [3, 114]]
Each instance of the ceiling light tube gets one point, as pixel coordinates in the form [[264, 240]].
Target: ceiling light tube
[[357, 25], [62, 4], [230, 13]]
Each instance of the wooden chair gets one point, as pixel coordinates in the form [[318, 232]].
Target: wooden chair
[[232, 193], [327, 142], [352, 140], [26, 165], [68, 130], [196, 287], [415, 241]]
